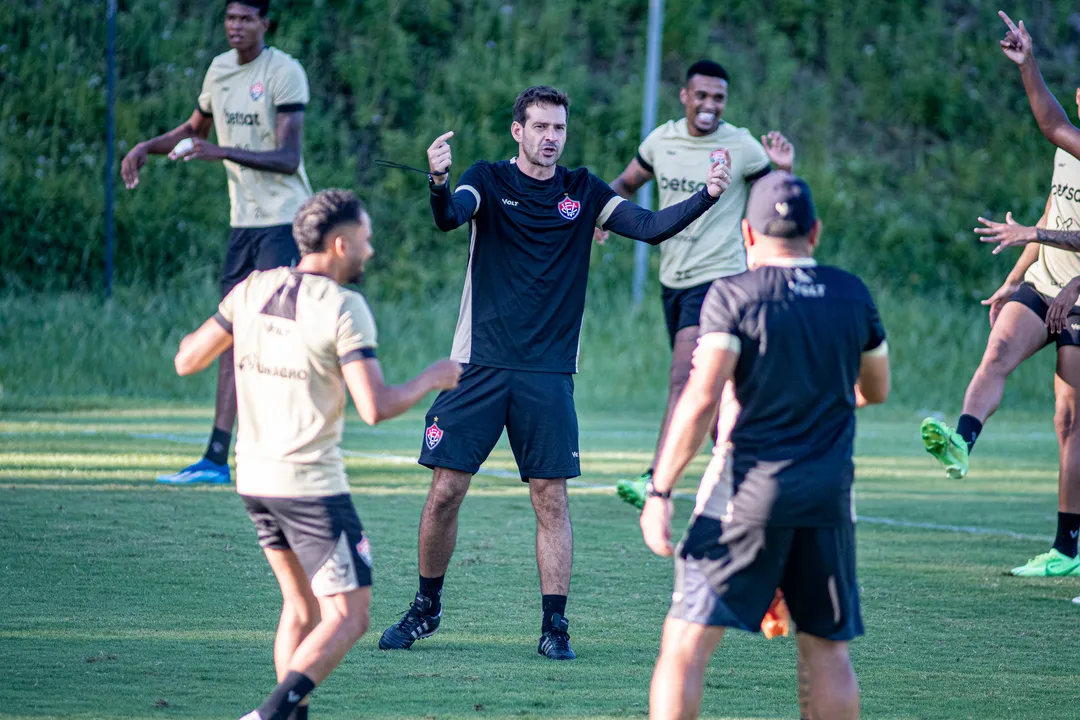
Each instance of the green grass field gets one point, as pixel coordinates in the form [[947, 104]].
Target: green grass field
[[124, 599]]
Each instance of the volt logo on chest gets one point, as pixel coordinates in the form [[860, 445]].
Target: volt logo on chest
[[511, 203]]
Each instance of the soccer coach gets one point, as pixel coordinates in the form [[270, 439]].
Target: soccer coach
[[531, 224]]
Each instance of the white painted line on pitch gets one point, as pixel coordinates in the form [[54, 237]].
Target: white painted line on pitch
[[869, 520]]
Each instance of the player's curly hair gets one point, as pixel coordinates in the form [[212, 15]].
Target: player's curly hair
[[320, 214], [539, 95]]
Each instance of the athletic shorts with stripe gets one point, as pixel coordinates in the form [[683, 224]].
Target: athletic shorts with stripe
[[324, 532], [728, 576]]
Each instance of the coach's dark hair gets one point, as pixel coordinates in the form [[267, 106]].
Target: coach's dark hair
[[539, 95], [708, 68], [263, 6], [320, 214]]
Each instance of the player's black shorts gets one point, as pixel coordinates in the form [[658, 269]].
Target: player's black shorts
[[730, 581], [536, 408], [324, 532], [1031, 298], [262, 248], [682, 308]]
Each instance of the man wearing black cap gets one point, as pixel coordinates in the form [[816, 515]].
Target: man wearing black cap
[[805, 347], [253, 96]]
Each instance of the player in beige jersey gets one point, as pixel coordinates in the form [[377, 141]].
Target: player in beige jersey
[[253, 97], [300, 340], [1035, 307], [678, 154]]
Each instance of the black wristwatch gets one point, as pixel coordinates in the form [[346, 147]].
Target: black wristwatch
[[651, 492]]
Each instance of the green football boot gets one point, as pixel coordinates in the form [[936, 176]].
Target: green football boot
[[1050, 564], [633, 491], [947, 446]]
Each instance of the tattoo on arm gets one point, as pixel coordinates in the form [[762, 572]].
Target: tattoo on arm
[[1064, 239]]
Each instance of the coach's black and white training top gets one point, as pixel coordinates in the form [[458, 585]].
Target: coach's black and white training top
[[801, 331], [529, 249]]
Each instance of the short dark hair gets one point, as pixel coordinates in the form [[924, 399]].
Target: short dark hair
[[539, 95], [320, 214], [708, 68], [263, 6]]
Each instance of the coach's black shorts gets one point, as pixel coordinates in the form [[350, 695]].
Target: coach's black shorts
[[324, 532], [536, 408], [682, 308], [262, 248], [731, 580], [1031, 298]]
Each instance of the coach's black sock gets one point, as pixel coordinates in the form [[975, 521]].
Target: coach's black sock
[[300, 713], [969, 427], [1068, 529], [553, 605], [218, 449], [431, 588], [286, 696]]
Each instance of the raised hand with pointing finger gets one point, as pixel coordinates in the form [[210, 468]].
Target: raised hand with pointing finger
[[1017, 44], [439, 158]]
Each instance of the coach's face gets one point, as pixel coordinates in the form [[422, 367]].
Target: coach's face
[[704, 99], [244, 27], [543, 136]]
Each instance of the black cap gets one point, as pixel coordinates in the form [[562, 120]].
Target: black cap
[[780, 206]]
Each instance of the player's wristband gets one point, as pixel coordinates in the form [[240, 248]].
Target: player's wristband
[[651, 492]]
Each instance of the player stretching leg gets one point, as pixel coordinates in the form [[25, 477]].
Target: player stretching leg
[[678, 154], [781, 516], [254, 97], [531, 224], [301, 339], [1037, 310]]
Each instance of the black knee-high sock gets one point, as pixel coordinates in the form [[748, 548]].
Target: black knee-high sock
[[300, 713], [969, 427], [553, 605], [286, 696], [224, 410], [1068, 528]]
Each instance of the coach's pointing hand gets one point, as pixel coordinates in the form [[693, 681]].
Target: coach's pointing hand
[[439, 159], [656, 526], [719, 176]]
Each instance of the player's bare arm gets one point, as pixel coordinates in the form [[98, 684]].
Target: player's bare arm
[[1011, 234], [1015, 278], [376, 401], [1053, 122], [197, 126], [632, 179], [780, 151], [637, 223], [283, 159], [202, 347], [714, 364]]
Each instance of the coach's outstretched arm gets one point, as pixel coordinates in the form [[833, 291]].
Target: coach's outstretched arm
[[1051, 117], [376, 401], [637, 223]]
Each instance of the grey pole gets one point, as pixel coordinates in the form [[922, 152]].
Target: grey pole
[[648, 122], [110, 140]]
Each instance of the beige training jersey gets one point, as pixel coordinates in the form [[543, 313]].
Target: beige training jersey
[[711, 247], [292, 333], [245, 101], [1055, 268]]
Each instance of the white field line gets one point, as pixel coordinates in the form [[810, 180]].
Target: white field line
[[866, 519]]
